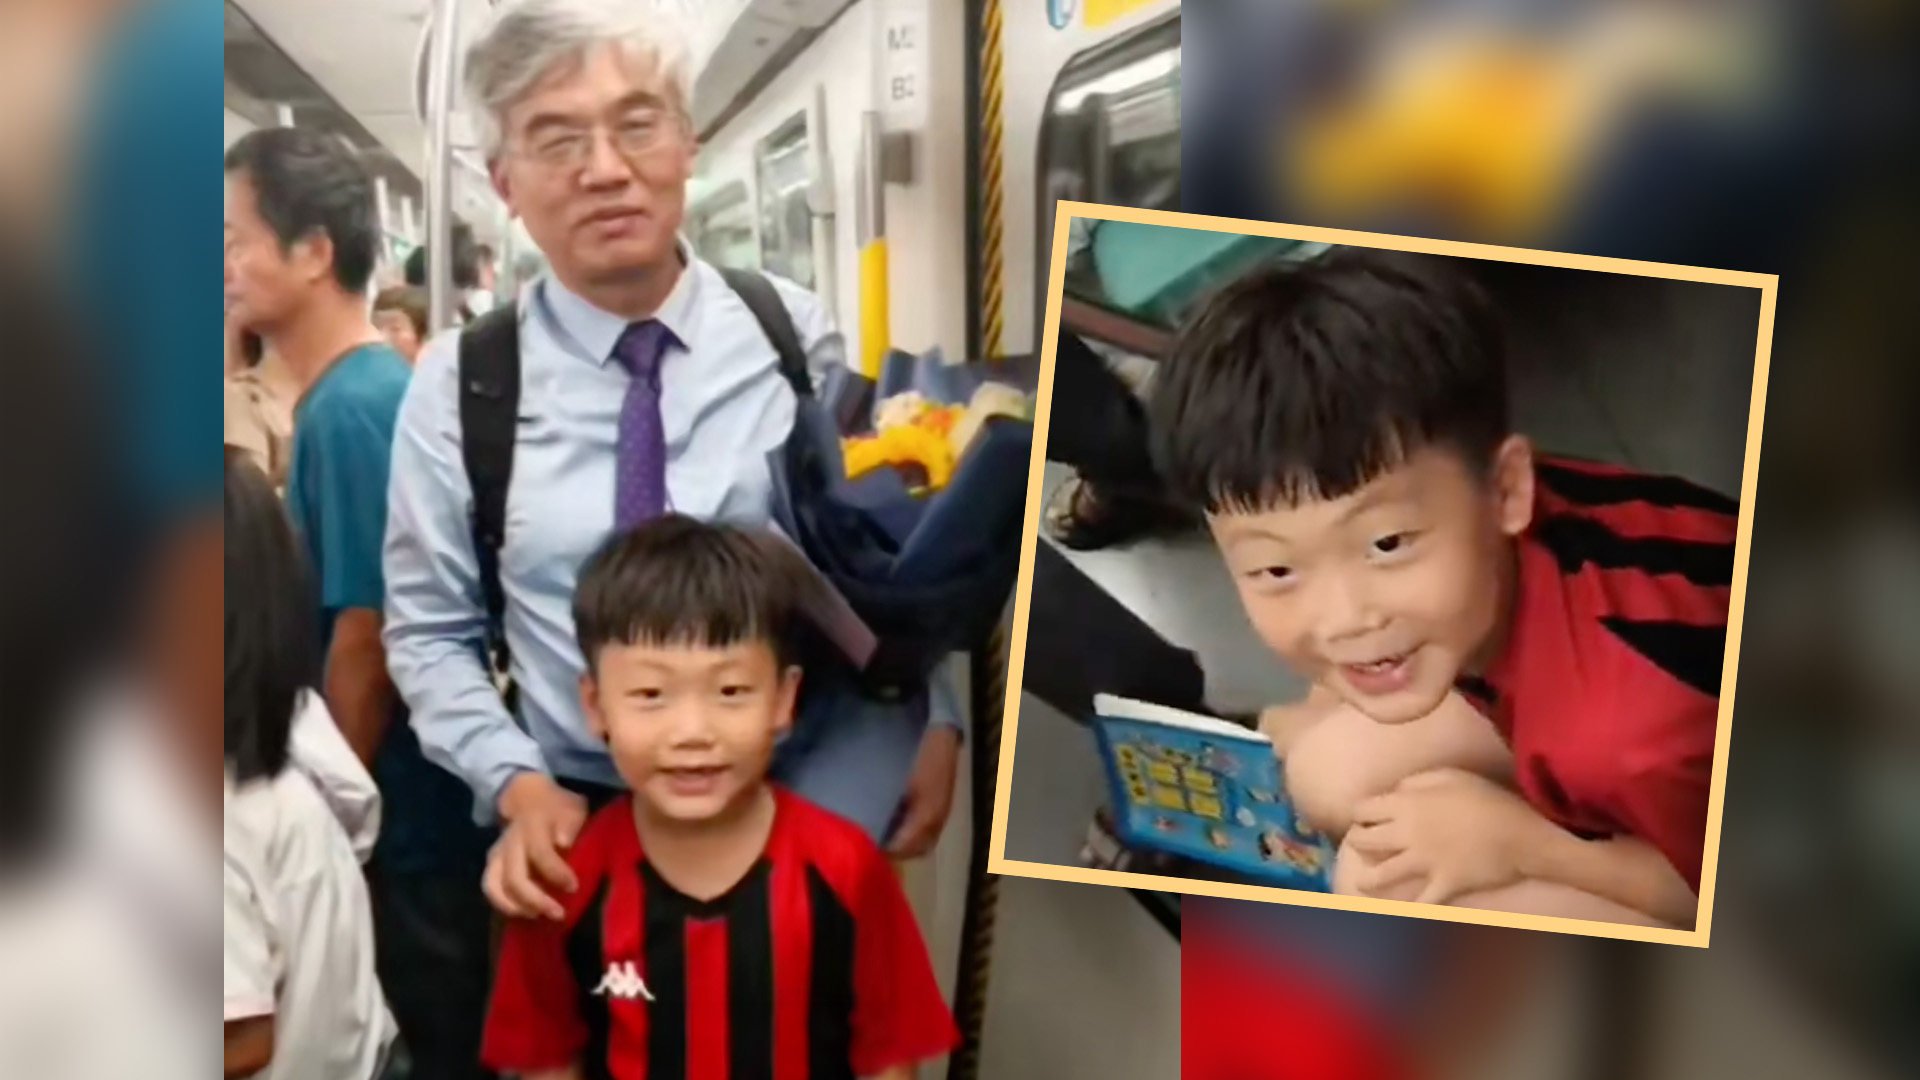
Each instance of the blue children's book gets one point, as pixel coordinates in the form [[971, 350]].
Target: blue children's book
[[1206, 789]]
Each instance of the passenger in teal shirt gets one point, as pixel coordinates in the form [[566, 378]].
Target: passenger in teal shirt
[[342, 443], [301, 241]]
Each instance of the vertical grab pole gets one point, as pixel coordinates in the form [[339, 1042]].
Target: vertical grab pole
[[382, 201], [440, 164], [821, 204]]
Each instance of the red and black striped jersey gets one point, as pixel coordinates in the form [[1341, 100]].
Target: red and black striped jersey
[[810, 968], [1608, 686]]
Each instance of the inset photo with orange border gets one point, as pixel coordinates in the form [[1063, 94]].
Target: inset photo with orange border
[[1382, 574]]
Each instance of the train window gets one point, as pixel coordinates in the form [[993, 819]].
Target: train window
[[720, 224], [1111, 134], [785, 173], [1132, 131]]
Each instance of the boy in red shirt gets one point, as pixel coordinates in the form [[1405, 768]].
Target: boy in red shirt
[[1515, 659], [720, 927]]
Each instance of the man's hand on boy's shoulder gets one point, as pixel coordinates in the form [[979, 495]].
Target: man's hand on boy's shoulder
[[527, 869], [1461, 832]]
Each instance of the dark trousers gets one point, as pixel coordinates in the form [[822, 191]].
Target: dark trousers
[[1082, 642], [432, 939], [1098, 426]]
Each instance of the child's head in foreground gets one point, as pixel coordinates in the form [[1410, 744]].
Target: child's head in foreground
[[686, 629], [1344, 424], [271, 653]]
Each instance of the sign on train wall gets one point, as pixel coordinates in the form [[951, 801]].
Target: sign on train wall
[[904, 64]]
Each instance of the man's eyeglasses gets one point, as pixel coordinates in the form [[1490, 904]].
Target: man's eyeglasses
[[572, 147]]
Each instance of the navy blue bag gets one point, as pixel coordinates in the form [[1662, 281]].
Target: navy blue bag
[[929, 577]]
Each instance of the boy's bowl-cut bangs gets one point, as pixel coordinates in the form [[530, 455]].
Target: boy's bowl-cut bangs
[[1305, 381]]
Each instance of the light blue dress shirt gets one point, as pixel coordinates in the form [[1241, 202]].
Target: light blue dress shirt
[[724, 405]]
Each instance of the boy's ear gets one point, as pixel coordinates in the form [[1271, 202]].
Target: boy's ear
[[590, 705], [1513, 484], [787, 696]]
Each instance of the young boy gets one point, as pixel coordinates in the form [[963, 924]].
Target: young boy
[[719, 926], [1344, 424]]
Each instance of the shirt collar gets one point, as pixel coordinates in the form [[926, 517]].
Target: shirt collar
[[597, 331], [1536, 575]]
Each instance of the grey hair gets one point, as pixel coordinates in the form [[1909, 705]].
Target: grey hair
[[529, 39]]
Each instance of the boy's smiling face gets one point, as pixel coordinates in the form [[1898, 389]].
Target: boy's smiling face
[[1387, 594], [691, 726]]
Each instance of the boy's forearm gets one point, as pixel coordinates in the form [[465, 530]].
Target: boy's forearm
[[898, 1072], [358, 690], [565, 1072], [1624, 869]]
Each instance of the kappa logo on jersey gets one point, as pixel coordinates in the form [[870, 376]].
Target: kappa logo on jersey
[[622, 980]]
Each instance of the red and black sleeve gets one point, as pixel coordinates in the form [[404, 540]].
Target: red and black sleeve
[[1664, 796], [534, 1019], [899, 1017]]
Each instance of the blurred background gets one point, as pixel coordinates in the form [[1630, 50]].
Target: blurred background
[[110, 545], [1762, 136]]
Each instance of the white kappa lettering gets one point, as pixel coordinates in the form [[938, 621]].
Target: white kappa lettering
[[622, 980]]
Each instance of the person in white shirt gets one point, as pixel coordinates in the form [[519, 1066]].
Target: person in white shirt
[[301, 998], [480, 299]]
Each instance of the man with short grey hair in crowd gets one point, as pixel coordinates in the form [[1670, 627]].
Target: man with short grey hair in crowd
[[645, 384]]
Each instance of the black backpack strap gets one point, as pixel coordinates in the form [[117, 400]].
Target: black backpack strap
[[489, 411], [776, 322]]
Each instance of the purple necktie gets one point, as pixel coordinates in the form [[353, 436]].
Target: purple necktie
[[640, 480]]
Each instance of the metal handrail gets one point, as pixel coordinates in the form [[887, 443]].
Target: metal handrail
[[1102, 324], [440, 72]]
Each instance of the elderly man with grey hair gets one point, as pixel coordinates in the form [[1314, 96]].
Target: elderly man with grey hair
[[646, 384]]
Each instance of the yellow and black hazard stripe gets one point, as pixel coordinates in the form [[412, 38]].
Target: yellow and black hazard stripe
[[986, 333], [992, 180], [989, 696], [986, 129]]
